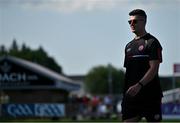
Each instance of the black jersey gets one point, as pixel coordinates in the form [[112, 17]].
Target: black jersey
[[138, 53]]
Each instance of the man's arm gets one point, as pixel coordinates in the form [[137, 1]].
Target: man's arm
[[150, 74]]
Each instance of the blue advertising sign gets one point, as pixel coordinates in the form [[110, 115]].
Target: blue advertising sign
[[33, 110], [49, 110], [171, 111], [16, 110]]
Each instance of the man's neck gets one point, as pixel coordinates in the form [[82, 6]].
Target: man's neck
[[139, 35]]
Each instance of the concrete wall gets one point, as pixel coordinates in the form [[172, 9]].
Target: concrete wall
[[36, 96]]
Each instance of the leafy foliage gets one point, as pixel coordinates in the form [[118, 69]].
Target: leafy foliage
[[38, 56], [97, 80]]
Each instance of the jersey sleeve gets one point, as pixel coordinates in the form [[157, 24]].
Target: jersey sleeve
[[155, 51], [125, 61], [125, 57]]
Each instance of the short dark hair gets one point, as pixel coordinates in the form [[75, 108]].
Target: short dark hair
[[139, 12]]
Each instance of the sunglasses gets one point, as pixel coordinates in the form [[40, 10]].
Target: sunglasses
[[134, 21]]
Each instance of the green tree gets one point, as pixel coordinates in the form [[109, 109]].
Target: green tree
[[14, 49], [38, 56], [97, 80], [3, 50]]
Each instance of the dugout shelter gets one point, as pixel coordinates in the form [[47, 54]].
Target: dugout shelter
[[25, 82]]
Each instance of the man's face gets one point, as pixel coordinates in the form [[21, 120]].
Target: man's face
[[137, 24]]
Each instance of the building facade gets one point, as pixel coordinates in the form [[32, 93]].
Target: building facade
[[24, 86]]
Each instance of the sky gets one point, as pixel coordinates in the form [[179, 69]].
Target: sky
[[82, 34]]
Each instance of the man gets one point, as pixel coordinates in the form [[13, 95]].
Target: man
[[142, 92]]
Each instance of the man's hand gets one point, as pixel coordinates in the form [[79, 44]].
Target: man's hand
[[133, 90]]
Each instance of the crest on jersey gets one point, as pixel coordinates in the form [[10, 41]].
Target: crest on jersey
[[141, 47]]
